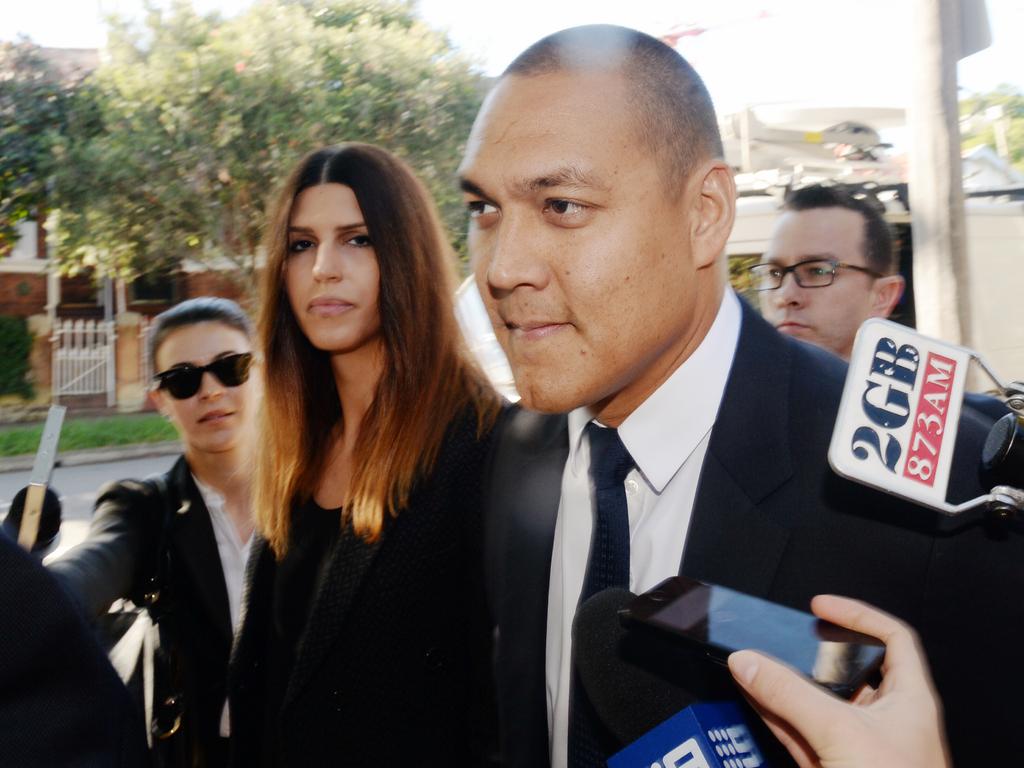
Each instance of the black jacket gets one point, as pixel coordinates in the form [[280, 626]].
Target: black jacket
[[116, 560], [60, 701], [392, 667], [771, 518]]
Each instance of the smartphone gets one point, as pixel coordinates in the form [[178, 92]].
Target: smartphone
[[718, 621]]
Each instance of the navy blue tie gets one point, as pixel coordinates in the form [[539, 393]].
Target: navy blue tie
[[590, 743]]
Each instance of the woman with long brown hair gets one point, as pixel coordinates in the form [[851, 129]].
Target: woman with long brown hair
[[365, 640]]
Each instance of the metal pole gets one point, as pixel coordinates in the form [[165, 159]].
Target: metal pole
[[941, 289]]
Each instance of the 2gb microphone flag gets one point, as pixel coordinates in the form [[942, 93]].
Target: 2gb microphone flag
[[898, 417]]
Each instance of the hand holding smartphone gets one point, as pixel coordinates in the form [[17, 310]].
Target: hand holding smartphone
[[717, 621]]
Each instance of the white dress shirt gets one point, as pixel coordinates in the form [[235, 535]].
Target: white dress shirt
[[667, 436], [233, 556]]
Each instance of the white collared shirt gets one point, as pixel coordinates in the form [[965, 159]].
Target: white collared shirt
[[234, 553], [667, 436]]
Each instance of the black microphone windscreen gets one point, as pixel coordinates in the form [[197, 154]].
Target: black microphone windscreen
[[1003, 453], [637, 678]]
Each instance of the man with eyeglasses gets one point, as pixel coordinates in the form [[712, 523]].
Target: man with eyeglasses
[[829, 267]]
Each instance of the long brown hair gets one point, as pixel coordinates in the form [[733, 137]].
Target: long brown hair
[[427, 377]]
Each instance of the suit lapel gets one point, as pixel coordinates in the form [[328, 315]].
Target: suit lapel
[[522, 505], [732, 540], [523, 489], [196, 546], [350, 559]]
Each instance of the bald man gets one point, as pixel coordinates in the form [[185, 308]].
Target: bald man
[[684, 435]]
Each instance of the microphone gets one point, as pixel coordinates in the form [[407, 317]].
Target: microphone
[[710, 735], [1004, 448], [898, 419], [633, 681], [658, 696]]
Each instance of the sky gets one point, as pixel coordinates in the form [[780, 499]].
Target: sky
[[750, 52]]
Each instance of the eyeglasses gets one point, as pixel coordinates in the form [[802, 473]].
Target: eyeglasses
[[183, 381], [813, 273]]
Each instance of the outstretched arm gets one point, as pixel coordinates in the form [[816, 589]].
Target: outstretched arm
[[106, 566]]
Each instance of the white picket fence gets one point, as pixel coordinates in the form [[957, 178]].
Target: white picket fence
[[83, 359], [144, 371]]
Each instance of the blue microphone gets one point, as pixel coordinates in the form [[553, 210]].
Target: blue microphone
[[664, 704], [708, 735]]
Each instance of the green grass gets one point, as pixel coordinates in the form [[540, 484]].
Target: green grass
[[99, 432]]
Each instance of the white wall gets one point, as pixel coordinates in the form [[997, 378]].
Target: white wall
[[27, 243], [995, 257]]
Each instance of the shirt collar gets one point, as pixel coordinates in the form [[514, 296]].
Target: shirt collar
[[213, 500], [666, 428], [223, 525]]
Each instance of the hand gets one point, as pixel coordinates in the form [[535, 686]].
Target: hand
[[49, 520], [899, 724]]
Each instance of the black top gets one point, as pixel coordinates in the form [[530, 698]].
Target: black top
[[393, 665], [313, 536], [60, 701]]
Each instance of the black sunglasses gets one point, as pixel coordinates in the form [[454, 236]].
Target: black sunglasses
[[183, 381]]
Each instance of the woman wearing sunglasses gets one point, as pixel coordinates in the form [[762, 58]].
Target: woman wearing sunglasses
[[202, 352], [364, 640]]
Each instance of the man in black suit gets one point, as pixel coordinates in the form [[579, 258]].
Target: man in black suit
[[600, 207], [830, 266], [61, 703]]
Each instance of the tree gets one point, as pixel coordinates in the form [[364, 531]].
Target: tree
[[202, 117], [32, 115], [983, 124]]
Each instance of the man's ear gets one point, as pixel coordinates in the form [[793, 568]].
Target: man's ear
[[885, 295], [714, 206]]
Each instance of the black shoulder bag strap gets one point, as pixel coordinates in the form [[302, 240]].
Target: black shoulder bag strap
[[160, 577], [164, 712]]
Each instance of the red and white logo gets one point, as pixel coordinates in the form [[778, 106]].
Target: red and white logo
[[898, 417]]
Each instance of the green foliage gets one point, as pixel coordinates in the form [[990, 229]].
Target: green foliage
[[79, 434], [15, 348], [982, 128], [32, 117], [196, 120], [739, 277], [382, 13]]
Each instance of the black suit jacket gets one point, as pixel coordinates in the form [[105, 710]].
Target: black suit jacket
[[393, 665], [986, 405], [61, 703], [117, 558], [771, 519]]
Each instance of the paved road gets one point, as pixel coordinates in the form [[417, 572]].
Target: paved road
[[77, 487]]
